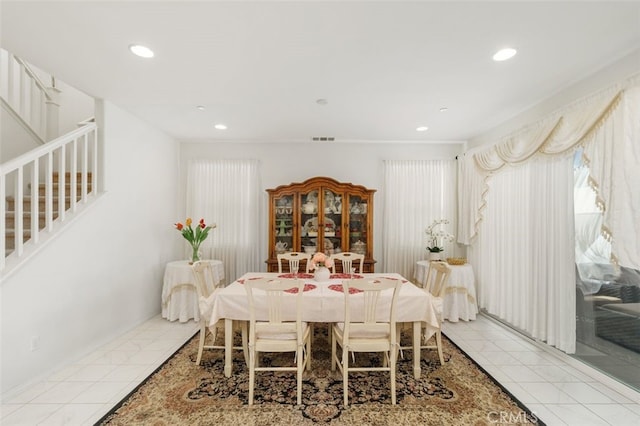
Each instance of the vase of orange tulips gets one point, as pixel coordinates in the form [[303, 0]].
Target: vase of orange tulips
[[196, 236]]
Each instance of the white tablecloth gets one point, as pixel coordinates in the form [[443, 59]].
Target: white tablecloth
[[323, 304], [460, 293], [179, 297]]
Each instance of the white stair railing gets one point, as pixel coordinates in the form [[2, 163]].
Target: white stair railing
[[28, 96], [73, 160]]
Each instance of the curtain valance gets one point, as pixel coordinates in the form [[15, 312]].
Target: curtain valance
[[554, 135], [605, 124]]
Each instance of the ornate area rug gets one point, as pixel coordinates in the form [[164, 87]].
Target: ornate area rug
[[183, 393]]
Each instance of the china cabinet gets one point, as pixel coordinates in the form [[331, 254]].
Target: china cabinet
[[321, 215]]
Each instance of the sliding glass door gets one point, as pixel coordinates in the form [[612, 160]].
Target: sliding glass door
[[607, 295]]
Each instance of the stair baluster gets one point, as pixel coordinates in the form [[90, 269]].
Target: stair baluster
[[68, 169]]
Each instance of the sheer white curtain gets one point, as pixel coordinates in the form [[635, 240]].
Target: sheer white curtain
[[606, 125], [518, 274], [613, 158], [228, 193], [591, 246], [415, 194], [524, 252]]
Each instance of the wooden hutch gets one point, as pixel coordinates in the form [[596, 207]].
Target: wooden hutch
[[321, 214]]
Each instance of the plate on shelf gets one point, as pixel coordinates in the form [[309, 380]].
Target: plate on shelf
[[311, 226]]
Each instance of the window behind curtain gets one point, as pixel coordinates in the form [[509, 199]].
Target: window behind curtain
[[415, 194], [227, 192]]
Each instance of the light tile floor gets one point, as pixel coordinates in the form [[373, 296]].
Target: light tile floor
[[557, 388], [85, 390]]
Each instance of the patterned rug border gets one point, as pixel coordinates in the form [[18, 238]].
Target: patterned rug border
[[188, 340], [497, 383]]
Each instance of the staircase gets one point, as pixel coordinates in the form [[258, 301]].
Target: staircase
[[47, 186], [64, 171], [40, 222], [28, 98]]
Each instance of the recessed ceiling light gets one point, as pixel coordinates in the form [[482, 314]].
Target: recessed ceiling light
[[443, 109], [422, 129], [504, 54], [140, 50], [220, 126], [200, 107]]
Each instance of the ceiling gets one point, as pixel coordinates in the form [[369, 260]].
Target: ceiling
[[384, 68]]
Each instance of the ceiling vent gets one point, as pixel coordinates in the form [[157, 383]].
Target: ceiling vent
[[323, 139]]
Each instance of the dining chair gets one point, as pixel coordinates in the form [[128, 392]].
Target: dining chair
[[363, 331], [294, 258], [205, 288], [435, 282], [283, 329], [347, 259]]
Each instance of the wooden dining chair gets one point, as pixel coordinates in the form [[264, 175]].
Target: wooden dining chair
[[363, 331], [283, 331], [347, 259], [205, 287], [294, 259], [435, 282]]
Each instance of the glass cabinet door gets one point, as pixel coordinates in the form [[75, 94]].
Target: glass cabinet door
[[331, 222], [309, 232], [283, 225], [358, 225]]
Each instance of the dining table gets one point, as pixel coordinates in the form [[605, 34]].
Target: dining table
[[323, 302], [459, 299], [179, 295]]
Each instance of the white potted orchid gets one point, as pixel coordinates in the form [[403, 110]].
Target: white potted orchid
[[436, 237]]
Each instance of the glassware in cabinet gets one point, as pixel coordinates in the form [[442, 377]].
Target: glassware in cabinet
[[309, 231], [358, 224], [283, 224], [331, 222]]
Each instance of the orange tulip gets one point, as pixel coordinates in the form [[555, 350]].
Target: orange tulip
[[196, 236]]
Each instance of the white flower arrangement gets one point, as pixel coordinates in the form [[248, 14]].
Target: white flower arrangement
[[437, 236]]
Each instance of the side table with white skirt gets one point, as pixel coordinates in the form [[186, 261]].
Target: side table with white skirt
[[179, 296], [460, 293]]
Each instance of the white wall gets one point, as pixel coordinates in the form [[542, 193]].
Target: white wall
[[103, 275], [75, 105], [15, 140], [618, 70], [358, 163]]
